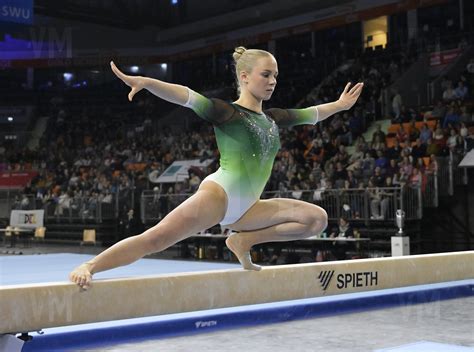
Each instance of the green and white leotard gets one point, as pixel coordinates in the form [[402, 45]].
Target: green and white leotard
[[248, 142]]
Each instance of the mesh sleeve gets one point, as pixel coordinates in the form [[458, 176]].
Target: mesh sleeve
[[294, 117], [215, 111]]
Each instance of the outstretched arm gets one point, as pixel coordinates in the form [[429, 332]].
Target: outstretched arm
[[174, 93], [315, 114], [347, 99]]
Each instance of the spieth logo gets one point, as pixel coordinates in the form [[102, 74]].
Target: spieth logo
[[325, 278], [345, 280], [205, 324]]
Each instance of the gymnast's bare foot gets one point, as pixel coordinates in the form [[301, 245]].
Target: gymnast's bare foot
[[242, 251], [82, 276]]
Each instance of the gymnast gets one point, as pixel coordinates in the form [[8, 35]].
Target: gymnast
[[248, 141]]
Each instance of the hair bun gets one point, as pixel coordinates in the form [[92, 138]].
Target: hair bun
[[238, 52]]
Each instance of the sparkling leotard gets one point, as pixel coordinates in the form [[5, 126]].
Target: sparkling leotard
[[248, 142]]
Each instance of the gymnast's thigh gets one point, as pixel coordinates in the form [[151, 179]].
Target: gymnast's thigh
[[269, 212], [201, 211]]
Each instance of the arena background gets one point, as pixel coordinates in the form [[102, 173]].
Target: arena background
[[82, 168]]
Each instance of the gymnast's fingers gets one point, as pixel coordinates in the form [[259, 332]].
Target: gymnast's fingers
[[118, 73]]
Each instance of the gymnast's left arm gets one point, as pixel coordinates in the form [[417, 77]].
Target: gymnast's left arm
[[346, 101], [315, 114]]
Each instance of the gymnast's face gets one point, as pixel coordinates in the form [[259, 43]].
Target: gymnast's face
[[261, 81]]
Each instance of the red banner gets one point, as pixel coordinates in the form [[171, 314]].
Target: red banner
[[16, 179], [444, 57]]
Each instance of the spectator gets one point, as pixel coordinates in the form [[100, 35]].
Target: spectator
[[453, 140], [449, 94], [392, 168], [401, 136], [395, 151], [375, 196], [418, 150], [425, 134], [452, 117], [381, 161], [432, 148], [396, 105], [415, 178], [414, 132], [461, 91], [344, 230], [378, 133]]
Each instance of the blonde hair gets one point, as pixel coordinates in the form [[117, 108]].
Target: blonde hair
[[245, 59]]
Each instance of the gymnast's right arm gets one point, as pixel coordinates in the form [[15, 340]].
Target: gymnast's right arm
[[174, 93], [211, 110]]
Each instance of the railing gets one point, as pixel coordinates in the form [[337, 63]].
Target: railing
[[362, 204], [91, 209]]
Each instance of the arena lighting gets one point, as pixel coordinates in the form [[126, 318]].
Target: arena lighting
[[67, 76], [164, 66], [10, 119], [174, 2], [134, 69]]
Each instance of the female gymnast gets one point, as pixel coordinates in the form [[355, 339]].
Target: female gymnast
[[248, 141]]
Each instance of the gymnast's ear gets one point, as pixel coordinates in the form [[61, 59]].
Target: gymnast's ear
[[244, 77]]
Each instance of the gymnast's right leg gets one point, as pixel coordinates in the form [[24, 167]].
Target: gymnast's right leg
[[201, 211]]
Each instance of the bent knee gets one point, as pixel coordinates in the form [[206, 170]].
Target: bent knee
[[317, 223]]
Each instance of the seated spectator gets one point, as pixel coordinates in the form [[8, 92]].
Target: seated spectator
[[463, 131], [453, 140], [461, 91], [357, 155], [194, 182], [425, 134], [344, 230], [420, 165], [433, 165], [392, 168], [352, 180], [401, 136], [439, 110], [395, 151], [381, 161], [368, 164], [339, 175], [449, 94], [414, 132], [378, 179], [377, 145], [415, 179], [345, 135], [418, 150], [405, 115], [452, 117], [406, 166], [362, 144], [378, 133], [466, 117], [432, 148], [400, 179]]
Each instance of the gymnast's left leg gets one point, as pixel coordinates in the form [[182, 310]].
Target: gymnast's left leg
[[274, 220]]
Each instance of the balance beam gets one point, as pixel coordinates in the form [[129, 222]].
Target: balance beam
[[25, 308]]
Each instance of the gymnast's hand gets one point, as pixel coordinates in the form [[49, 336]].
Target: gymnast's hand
[[349, 97], [82, 276], [134, 82]]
